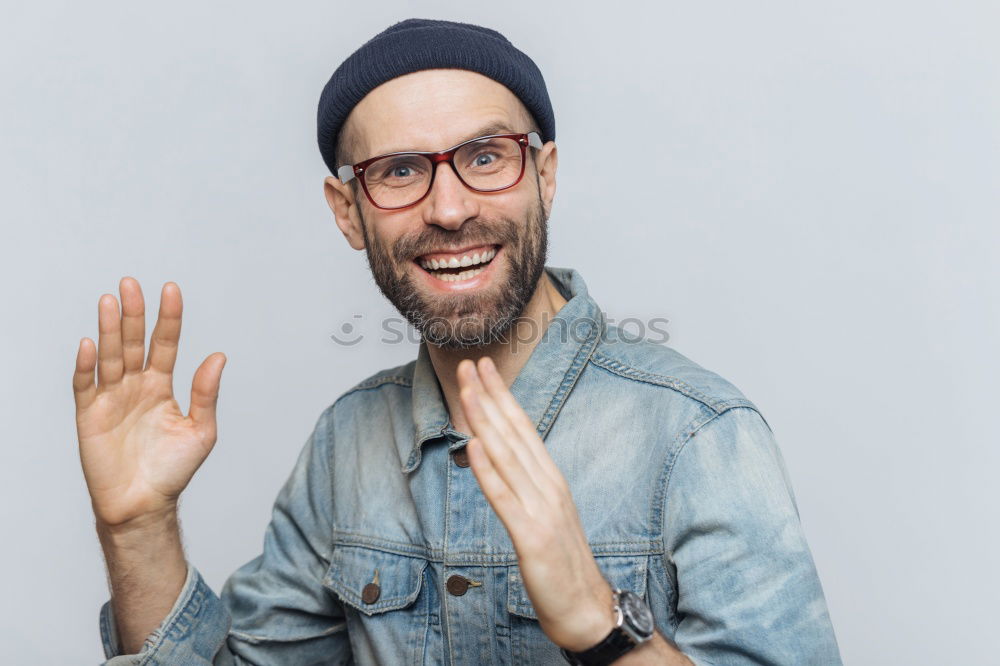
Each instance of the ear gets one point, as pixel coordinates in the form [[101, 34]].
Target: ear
[[340, 197], [546, 161]]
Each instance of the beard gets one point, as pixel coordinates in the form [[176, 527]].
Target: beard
[[464, 321]]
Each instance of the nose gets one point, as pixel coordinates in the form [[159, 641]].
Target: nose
[[449, 203]]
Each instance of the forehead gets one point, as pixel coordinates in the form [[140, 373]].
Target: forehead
[[431, 110]]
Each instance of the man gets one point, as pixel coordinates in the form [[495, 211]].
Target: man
[[573, 497]]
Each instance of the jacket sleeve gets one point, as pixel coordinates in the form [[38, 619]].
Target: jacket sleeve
[[747, 587], [272, 610]]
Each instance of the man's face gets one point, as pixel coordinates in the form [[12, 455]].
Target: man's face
[[453, 308]]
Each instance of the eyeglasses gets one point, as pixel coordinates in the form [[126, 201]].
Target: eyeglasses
[[485, 164]]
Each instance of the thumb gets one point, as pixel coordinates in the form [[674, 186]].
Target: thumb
[[205, 389]]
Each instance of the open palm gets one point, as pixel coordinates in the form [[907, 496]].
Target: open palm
[[137, 448]]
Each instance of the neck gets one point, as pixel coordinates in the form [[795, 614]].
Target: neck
[[509, 356]]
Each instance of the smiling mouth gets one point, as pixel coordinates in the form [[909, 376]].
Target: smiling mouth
[[458, 266]]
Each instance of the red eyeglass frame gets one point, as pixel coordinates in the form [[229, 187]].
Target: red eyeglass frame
[[350, 171]]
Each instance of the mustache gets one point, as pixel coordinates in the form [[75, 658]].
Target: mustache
[[472, 232]]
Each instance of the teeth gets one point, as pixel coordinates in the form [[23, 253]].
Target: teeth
[[459, 277], [476, 258]]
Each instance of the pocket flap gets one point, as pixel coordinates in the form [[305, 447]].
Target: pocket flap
[[395, 579], [626, 572]]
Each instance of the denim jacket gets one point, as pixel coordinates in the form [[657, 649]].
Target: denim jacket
[[681, 489]]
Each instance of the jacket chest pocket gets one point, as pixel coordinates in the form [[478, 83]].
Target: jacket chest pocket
[[528, 643], [385, 603]]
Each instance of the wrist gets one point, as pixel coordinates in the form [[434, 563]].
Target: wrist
[[633, 627], [594, 621], [149, 526]]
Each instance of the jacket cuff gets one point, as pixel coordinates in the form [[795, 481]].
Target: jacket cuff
[[191, 633]]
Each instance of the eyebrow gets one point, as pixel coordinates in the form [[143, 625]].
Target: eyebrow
[[494, 127]]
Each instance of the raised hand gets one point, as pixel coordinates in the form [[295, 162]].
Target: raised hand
[[530, 496], [137, 448]]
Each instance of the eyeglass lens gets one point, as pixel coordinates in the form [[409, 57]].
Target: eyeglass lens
[[486, 164]]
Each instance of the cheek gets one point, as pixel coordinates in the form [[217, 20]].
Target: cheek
[[514, 202], [396, 235], [387, 230], [513, 206]]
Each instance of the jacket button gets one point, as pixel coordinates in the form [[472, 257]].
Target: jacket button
[[461, 457], [457, 585], [370, 593]]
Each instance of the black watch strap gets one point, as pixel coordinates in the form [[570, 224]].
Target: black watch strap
[[613, 646]]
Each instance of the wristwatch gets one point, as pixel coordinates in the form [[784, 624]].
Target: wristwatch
[[633, 625]]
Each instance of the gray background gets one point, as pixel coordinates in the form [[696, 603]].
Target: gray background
[[808, 192]]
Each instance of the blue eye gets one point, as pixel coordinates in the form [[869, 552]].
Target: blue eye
[[398, 171]]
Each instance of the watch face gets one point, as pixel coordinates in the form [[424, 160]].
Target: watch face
[[636, 612]]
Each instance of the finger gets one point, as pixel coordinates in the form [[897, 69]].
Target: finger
[[167, 332], [503, 455], [514, 436], [84, 389], [500, 496], [133, 325], [205, 391], [109, 342], [520, 421], [515, 415], [468, 375]]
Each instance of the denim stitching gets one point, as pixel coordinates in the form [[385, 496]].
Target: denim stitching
[[159, 636], [583, 354], [687, 436], [682, 387], [478, 558]]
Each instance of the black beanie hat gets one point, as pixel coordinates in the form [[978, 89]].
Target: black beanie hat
[[416, 44]]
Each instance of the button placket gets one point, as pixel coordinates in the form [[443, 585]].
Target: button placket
[[464, 612]]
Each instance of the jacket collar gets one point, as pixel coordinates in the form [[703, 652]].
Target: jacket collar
[[544, 382]]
